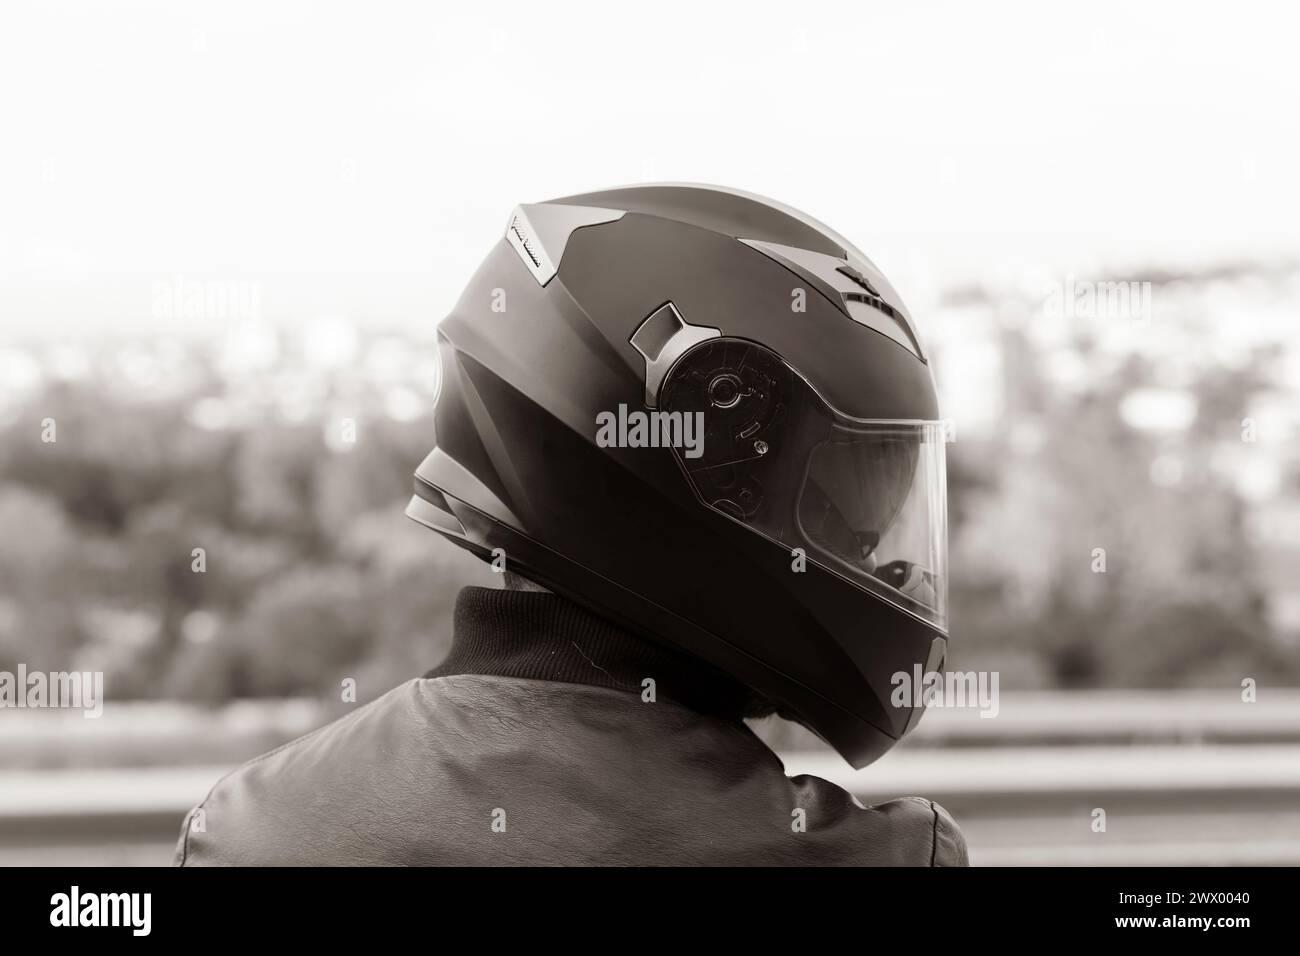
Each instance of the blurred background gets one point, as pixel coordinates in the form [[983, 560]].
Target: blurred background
[[227, 233]]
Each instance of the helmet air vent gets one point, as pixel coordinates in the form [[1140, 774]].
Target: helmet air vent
[[662, 339]]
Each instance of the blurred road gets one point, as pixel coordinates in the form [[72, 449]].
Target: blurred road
[[1183, 779], [1166, 805]]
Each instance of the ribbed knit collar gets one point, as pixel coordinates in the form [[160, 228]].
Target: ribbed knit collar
[[537, 635]]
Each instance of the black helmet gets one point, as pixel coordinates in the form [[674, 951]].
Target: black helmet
[[707, 417]]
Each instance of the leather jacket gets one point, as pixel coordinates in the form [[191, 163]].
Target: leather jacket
[[536, 744]]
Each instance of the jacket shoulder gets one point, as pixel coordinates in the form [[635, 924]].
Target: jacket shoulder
[[269, 801], [909, 831], [934, 828]]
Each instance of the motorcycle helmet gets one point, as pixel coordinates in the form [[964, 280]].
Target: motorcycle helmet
[[708, 418]]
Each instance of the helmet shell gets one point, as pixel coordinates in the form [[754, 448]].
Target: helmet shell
[[542, 342]]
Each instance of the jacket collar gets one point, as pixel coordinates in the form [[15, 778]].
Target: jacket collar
[[538, 635]]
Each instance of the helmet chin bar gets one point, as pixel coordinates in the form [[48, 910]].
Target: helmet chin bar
[[859, 738]]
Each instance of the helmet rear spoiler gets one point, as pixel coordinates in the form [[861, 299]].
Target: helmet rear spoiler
[[430, 508]]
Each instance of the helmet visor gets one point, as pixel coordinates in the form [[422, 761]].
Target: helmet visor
[[863, 499]]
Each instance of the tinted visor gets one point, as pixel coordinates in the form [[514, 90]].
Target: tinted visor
[[864, 499]]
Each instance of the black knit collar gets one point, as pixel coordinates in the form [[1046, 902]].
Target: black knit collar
[[542, 636]]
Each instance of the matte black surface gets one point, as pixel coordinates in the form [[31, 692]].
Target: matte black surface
[[620, 530]]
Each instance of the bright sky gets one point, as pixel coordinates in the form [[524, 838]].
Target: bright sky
[[361, 158]]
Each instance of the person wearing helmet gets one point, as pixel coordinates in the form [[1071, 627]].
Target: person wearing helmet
[[699, 431]]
